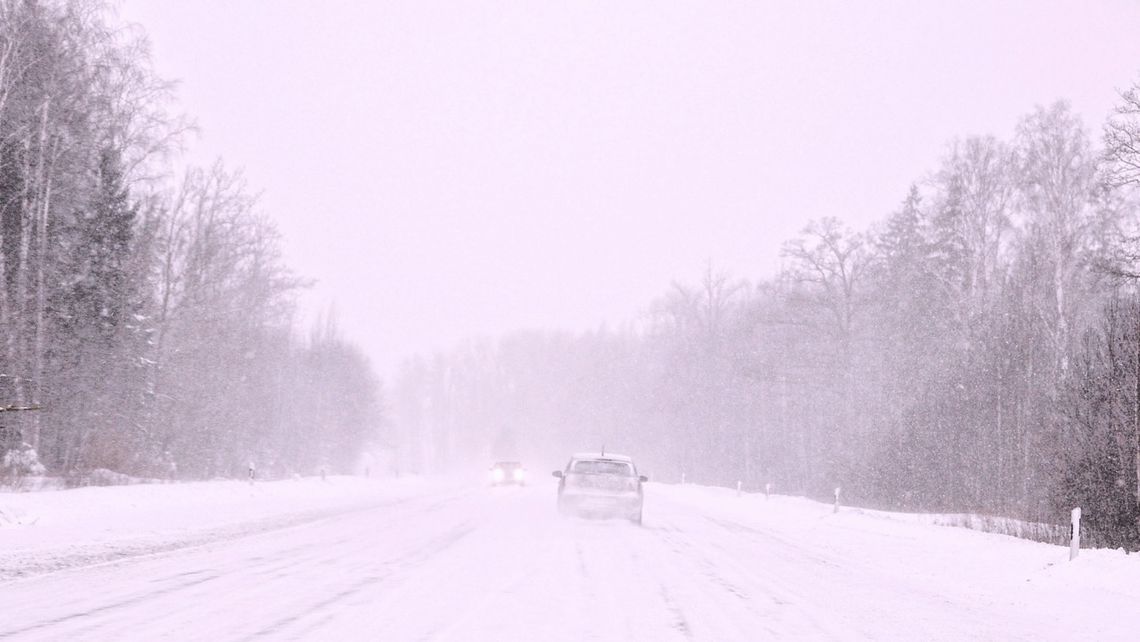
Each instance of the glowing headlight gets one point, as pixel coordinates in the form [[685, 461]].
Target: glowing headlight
[[497, 474], [519, 474]]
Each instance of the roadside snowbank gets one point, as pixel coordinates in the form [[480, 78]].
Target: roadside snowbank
[[46, 531], [1033, 580]]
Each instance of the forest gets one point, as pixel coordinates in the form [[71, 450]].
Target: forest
[[146, 315], [976, 351]]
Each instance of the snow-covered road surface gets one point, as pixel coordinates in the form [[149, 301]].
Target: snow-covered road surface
[[474, 563]]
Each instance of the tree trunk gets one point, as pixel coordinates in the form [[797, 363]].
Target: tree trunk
[[1136, 420], [20, 298], [41, 216]]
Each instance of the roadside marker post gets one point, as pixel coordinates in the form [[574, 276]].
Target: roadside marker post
[[836, 500], [768, 491], [1075, 534], [738, 488]]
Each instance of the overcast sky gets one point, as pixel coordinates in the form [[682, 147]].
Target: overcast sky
[[445, 170]]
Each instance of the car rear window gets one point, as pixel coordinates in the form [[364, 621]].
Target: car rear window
[[595, 467]]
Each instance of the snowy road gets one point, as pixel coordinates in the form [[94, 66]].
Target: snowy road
[[491, 564]]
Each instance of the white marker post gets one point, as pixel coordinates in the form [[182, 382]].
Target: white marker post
[[1075, 534], [738, 488], [768, 490], [682, 478], [836, 500]]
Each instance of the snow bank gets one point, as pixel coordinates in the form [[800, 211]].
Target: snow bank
[[1027, 576], [49, 530]]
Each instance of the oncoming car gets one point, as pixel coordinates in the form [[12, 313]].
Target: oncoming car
[[602, 485], [508, 472]]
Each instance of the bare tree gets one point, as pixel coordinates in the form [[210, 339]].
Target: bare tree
[[1122, 140]]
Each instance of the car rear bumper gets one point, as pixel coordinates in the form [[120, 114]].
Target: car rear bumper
[[624, 505]]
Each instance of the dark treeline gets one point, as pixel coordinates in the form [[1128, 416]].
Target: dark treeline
[[977, 351], [146, 312]]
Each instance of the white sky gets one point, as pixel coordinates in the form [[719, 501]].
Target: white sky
[[450, 169]]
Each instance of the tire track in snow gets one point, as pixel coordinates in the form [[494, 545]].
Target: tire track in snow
[[111, 606], [23, 565], [296, 557], [824, 580], [760, 600], [679, 621], [406, 563]]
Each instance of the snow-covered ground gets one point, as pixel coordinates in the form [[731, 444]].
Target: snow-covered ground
[[416, 560], [45, 531]]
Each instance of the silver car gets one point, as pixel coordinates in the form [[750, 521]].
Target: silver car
[[601, 485]]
